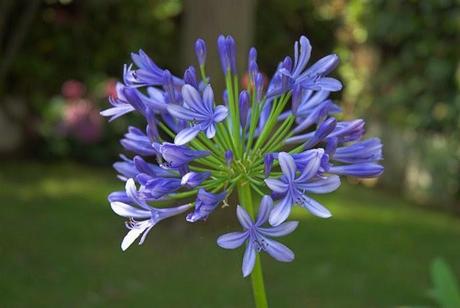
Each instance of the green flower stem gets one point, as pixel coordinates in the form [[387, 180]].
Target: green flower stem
[[234, 113], [283, 132], [277, 108], [258, 288]]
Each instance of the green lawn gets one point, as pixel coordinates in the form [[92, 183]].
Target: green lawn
[[59, 247]]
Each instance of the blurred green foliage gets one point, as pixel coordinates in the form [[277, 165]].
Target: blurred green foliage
[[445, 291], [415, 49]]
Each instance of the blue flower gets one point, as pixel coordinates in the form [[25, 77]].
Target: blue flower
[[357, 159], [198, 110], [154, 188], [288, 75], [147, 73], [257, 237], [139, 209], [193, 179], [120, 105], [227, 53], [293, 188], [244, 108], [205, 204], [200, 51], [178, 155], [137, 141]]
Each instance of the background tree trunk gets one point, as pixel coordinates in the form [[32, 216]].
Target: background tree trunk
[[207, 19]]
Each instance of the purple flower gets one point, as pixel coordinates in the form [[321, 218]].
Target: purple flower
[[139, 209], [205, 204], [357, 159], [228, 157], [178, 155], [193, 179], [148, 73], [227, 53], [257, 238], [253, 68], [137, 141], [120, 105], [312, 78], [200, 51], [125, 168], [268, 163], [293, 188], [154, 188], [244, 108], [200, 111]]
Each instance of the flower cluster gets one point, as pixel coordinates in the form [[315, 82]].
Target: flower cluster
[[280, 141]]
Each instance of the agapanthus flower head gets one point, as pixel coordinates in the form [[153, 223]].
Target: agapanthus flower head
[[276, 138]]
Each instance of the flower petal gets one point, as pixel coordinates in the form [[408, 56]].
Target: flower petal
[[281, 230], [132, 235], [183, 113], [126, 210], [186, 135], [315, 207], [232, 240], [220, 113], [312, 166], [249, 259], [243, 217], [265, 208], [322, 186], [281, 211], [131, 191], [287, 165], [276, 185], [279, 251], [211, 131], [208, 98], [192, 98]]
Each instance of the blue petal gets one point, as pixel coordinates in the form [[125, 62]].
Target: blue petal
[[287, 165], [211, 131], [220, 113], [131, 191], [208, 98], [266, 205], [243, 217], [312, 166], [364, 170], [322, 186], [279, 251], [315, 207], [281, 211], [128, 211], [192, 98], [281, 230], [184, 113], [186, 135], [300, 61], [276, 185], [249, 259], [232, 240]]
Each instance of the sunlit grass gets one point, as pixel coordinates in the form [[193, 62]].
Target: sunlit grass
[[60, 247]]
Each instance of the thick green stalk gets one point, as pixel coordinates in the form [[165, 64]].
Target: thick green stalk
[[257, 279]]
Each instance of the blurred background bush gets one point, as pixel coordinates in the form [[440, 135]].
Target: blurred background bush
[[59, 61]]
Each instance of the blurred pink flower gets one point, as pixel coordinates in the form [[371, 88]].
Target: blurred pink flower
[[111, 88], [73, 89], [82, 121]]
